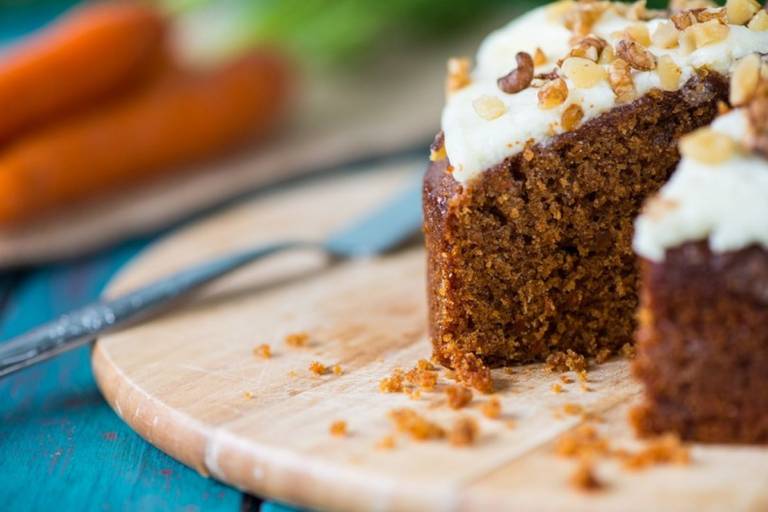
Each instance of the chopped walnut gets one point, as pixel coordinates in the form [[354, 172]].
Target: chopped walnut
[[620, 78], [669, 73], [584, 478], [707, 146], [519, 78], [640, 12], [492, 408], [741, 11], [318, 368], [264, 351], [539, 57], [683, 19], [705, 15], [710, 32], [744, 80], [584, 73], [489, 107], [296, 339], [412, 423], [458, 75], [338, 428], [760, 22], [464, 432], [757, 113], [589, 47], [553, 94], [571, 117], [458, 396], [638, 32], [665, 35], [635, 55], [607, 56], [583, 16]]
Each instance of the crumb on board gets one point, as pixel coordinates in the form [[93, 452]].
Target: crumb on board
[[557, 387], [458, 396], [582, 442], [665, 449], [297, 339], [491, 409], [263, 351], [293, 374], [584, 388], [423, 364], [318, 368], [424, 379], [565, 378], [386, 443], [393, 383], [463, 432], [583, 375], [413, 393], [628, 351], [337, 369], [338, 428], [584, 478], [511, 424], [468, 369], [248, 395], [572, 409], [415, 425], [560, 362], [602, 355]]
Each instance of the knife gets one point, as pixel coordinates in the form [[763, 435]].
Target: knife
[[379, 232]]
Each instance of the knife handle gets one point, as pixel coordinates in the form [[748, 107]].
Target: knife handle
[[83, 325]]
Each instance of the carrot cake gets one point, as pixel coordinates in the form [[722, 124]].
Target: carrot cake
[[702, 351], [549, 146]]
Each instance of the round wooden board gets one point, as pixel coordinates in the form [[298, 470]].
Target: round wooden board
[[190, 384]]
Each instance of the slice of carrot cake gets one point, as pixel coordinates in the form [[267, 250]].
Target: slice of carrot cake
[[702, 350], [568, 122]]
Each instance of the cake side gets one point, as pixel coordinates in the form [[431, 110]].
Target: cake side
[[534, 255], [703, 345]]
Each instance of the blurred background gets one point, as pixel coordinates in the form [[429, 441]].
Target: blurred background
[[121, 121]]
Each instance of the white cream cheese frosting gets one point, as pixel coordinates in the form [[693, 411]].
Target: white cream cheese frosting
[[474, 143], [725, 203]]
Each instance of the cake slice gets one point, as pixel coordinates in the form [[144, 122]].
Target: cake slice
[[702, 350], [569, 121]]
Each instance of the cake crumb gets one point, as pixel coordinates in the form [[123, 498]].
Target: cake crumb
[[248, 395], [511, 424], [565, 378], [393, 383], [584, 478], [423, 364], [297, 339], [492, 408], [413, 394], [415, 425], [338, 428], [583, 442], [628, 351], [583, 375], [318, 368], [584, 388], [470, 370], [337, 369], [386, 443], [602, 355], [458, 396], [557, 388], [563, 361], [464, 432], [572, 409], [666, 449], [263, 351]]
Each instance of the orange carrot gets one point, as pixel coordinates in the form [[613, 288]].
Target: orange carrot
[[180, 119], [88, 54]]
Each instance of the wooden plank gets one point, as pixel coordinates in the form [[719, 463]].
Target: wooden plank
[[63, 447], [189, 383]]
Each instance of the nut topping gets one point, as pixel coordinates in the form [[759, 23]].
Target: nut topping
[[571, 117], [707, 146], [458, 75], [757, 113], [539, 57], [620, 78], [760, 21], [489, 107], [665, 35], [669, 73], [741, 11], [635, 55], [553, 93], [709, 32], [584, 73], [520, 78], [744, 80]]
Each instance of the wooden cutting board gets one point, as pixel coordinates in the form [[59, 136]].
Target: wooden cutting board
[[190, 384]]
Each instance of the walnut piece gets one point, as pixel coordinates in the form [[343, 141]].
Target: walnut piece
[[489, 107], [741, 11], [744, 80], [584, 73], [571, 117], [669, 73], [665, 35], [519, 78], [553, 94], [620, 78], [458, 75], [589, 47], [707, 146], [635, 55]]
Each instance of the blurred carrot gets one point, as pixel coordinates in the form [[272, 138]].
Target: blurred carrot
[[179, 119], [89, 53]]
